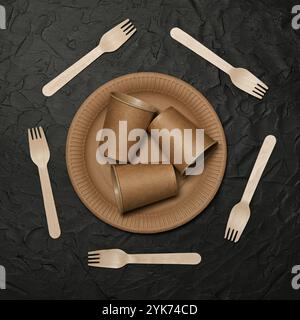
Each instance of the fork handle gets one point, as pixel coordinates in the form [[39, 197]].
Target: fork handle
[[165, 258], [259, 166], [62, 79], [194, 45], [49, 204]]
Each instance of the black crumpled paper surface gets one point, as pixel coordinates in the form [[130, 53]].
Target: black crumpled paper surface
[[46, 36]]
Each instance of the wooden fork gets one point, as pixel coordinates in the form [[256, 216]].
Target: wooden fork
[[116, 258], [40, 154], [240, 213], [240, 77], [110, 41]]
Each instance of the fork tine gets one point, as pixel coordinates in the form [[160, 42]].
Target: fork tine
[[237, 238], [37, 136], [130, 30], [94, 264], [42, 134], [93, 260], [94, 257], [128, 26], [129, 34], [263, 85], [254, 94], [94, 252], [249, 87], [39, 132], [260, 89], [257, 94], [231, 235], [30, 138], [123, 23], [34, 133], [255, 83], [226, 231], [234, 235]]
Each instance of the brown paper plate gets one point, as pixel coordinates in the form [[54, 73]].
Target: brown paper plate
[[92, 181]]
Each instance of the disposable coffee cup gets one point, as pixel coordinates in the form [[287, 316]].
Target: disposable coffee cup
[[131, 113], [171, 119], [138, 185]]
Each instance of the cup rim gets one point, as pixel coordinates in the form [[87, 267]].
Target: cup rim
[[133, 101], [159, 116], [117, 188]]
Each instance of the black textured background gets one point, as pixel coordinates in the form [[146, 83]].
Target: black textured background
[[42, 39]]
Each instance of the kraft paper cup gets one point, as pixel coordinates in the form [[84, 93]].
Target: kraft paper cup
[[137, 113], [171, 119], [141, 184]]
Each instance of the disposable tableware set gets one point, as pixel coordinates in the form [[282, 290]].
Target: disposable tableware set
[[146, 198]]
